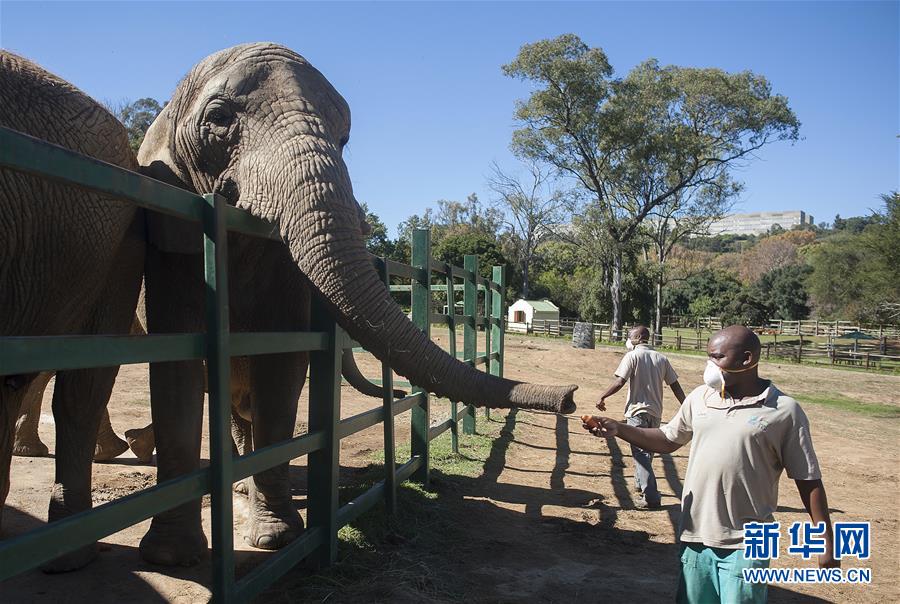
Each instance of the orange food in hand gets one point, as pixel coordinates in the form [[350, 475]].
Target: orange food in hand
[[590, 422]]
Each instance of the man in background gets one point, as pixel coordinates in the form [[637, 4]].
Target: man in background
[[644, 370]]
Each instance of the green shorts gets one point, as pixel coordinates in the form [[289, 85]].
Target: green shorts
[[713, 574]]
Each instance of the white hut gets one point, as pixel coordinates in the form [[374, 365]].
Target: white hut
[[522, 315]]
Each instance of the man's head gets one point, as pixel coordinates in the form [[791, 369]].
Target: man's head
[[639, 334], [735, 350]]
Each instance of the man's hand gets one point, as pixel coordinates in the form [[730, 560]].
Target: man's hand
[[602, 404], [827, 560], [601, 426]]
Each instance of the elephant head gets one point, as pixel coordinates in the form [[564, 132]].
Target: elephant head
[[262, 127]]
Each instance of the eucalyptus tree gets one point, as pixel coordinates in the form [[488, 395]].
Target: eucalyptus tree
[[631, 144]]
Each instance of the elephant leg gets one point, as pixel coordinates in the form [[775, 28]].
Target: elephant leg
[[242, 435], [174, 302], [28, 442], [12, 394], [79, 399], [141, 442], [109, 445], [276, 382]]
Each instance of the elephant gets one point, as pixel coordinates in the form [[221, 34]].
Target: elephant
[[70, 264], [140, 440], [258, 125]]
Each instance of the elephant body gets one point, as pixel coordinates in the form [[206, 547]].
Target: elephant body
[[258, 125], [70, 263]]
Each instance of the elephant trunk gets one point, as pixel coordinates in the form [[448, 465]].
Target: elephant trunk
[[327, 245]]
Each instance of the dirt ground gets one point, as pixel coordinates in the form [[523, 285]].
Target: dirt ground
[[551, 517]]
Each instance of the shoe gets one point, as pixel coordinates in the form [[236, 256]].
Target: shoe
[[643, 504]]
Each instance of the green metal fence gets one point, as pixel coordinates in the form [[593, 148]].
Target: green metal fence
[[324, 342]]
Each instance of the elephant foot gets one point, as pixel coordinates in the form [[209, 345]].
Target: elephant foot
[[33, 448], [141, 442], [71, 561], [273, 529], [173, 546], [241, 487], [109, 447]]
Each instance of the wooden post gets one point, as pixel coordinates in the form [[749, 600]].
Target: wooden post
[[678, 342], [486, 314], [800, 350], [867, 359], [421, 316], [470, 336]]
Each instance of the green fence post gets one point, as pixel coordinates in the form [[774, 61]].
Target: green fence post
[[470, 336], [498, 300], [451, 323], [215, 252], [324, 416], [486, 313], [421, 316], [390, 458]]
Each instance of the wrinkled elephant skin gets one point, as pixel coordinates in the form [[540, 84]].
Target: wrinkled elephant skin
[[260, 126], [70, 263]]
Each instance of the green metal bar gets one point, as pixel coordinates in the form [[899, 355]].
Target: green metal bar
[[269, 571], [28, 354], [438, 429], [242, 221], [405, 471], [498, 311], [22, 553], [408, 402], [486, 318], [361, 504], [498, 307], [387, 413], [421, 307], [271, 456], [324, 416], [434, 287], [360, 421], [215, 252], [470, 341], [247, 344], [451, 332], [396, 269], [25, 153]]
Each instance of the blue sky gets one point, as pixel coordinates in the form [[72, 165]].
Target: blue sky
[[432, 110]]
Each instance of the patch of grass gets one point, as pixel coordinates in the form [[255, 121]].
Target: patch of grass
[[400, 558], [847, 404]]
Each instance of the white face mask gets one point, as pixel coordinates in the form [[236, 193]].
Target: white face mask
[[714, 376], [629, 344]]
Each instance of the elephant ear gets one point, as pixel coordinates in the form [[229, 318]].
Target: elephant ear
[[165, 232]]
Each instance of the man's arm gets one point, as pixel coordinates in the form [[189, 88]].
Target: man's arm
[[614, 387], [812, 492], [649, 439], [677, 391]]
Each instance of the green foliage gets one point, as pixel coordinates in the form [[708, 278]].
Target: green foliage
[[137, 117], [454, 247], [783, 291]]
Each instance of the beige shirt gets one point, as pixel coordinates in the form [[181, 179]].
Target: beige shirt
[[646, 370], [738, 451]]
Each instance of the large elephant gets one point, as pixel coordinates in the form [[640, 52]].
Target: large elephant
[[260, 126], [70, 263]]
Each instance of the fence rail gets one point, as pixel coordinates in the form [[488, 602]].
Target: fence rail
[[872, 354], [806, 327], [325, 343]]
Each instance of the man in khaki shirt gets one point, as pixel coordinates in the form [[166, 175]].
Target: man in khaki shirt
[[745, 432], [644, 370]]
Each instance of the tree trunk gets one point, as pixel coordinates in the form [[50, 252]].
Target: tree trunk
[[658, 324], [615, 290]]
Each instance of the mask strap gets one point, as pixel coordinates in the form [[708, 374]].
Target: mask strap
[[740, 370]]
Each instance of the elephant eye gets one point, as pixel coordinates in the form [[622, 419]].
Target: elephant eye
[[220, 115]]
